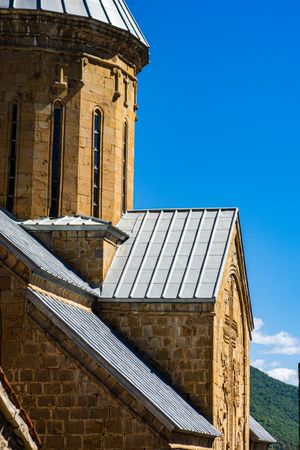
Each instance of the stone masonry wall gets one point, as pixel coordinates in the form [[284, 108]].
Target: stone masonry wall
[[176, 339], [37, 78], [69, 409], [203, 349], [231, 355], [86, 251]]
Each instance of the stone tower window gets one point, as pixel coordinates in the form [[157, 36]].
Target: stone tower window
[[56, 159], [11, 187], [96, 162], [124, 173]]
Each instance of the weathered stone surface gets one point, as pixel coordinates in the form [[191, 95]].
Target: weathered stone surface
[[86, 252], [202, 349], [82, 82]]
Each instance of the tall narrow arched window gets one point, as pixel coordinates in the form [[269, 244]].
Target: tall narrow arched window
[[96, 163], [124, 171], [56, 159], [11, 185]]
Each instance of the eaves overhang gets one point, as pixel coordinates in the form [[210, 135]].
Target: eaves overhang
[[77, 223], [88, 331]]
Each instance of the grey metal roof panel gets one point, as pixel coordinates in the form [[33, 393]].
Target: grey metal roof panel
[[259, 434], [112, 12], [92, 335], [170, 254], [41, 260]]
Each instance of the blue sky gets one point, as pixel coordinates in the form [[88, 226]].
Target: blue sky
[[219, 125]]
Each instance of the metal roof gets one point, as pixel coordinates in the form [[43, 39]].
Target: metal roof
[[100, 342], [112, 12], [170, 254], [74, 223], [40, 260], [259, 434], [75, 220]]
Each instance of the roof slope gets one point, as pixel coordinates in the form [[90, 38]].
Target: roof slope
[[16, 416], [41, 261], [99, 341], [112, 12], [259, 434], [171, 254]]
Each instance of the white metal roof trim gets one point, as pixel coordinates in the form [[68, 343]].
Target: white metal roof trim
[[170, 254], [65, 220], [260, 433], [112, 12], [93, 332], [73, 223], [39, 256]]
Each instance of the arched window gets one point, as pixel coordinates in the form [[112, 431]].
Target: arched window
[[124, 172], [56, 159], [11, 185], [96, 163]]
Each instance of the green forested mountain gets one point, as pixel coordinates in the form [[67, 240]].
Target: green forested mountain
[[275, 405]]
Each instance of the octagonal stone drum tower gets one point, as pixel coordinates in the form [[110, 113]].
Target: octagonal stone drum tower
[[68, 101]]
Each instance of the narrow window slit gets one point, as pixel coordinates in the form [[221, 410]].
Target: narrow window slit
[[124, 174], [56, 160], [96, 163], [11, 188]]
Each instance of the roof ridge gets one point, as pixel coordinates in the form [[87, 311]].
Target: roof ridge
[[212, 208]]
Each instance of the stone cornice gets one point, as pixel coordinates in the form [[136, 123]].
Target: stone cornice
[[45, 30]]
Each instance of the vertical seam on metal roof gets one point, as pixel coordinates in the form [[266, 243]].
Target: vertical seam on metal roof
[[225, 254], [120, 14], [150, 242], [198, 285], [87, 8], [129, 13], [105, 13], [132, 24], [161, 253], [191, 255], [125, 268], [64, 6], [178, 246]]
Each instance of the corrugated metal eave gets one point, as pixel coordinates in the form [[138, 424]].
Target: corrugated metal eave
[[43, 273], [259, 434], [172, 426]]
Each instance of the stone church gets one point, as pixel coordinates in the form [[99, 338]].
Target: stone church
[[120, 328]]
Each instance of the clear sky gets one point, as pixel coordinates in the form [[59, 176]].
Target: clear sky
[[219, 125]]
